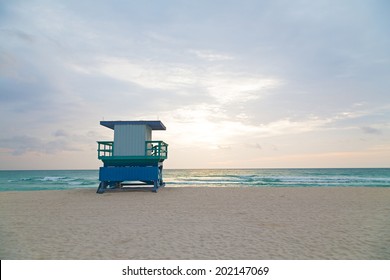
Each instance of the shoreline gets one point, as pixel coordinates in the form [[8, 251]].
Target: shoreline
[[148, 188], [197, 223]]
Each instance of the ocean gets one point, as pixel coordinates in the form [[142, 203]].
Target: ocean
[[30, 180]]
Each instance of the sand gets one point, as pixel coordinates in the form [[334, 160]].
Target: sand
[[197, 223]]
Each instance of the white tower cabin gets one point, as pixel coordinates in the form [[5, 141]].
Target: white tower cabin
[[132, 156]]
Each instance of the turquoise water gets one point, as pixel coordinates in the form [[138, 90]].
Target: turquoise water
[[69, 179], [28, 180]]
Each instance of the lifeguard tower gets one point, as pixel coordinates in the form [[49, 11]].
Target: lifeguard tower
[[133, 158]]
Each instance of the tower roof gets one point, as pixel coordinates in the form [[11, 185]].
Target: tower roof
[[154, 125]]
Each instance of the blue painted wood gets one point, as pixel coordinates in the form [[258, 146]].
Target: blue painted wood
[[136, 173], [154, 125]]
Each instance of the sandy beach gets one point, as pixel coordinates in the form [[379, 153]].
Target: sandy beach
[[197, 223]]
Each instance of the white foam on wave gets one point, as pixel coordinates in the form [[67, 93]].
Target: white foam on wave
[[51, 178]]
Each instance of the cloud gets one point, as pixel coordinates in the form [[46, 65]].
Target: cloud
[[371, 130], [20, 145], [18, 34], [60, 133], [210, 55], [223, 86], [148, 74], [8, 65]]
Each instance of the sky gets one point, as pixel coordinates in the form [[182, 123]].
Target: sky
[[238, 84]]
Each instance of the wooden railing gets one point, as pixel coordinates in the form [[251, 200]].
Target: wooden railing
[[156, 149], [105, 149], [152, 149]]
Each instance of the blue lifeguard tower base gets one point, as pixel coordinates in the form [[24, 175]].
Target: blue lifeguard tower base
[[136, 176], [132, 159]]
